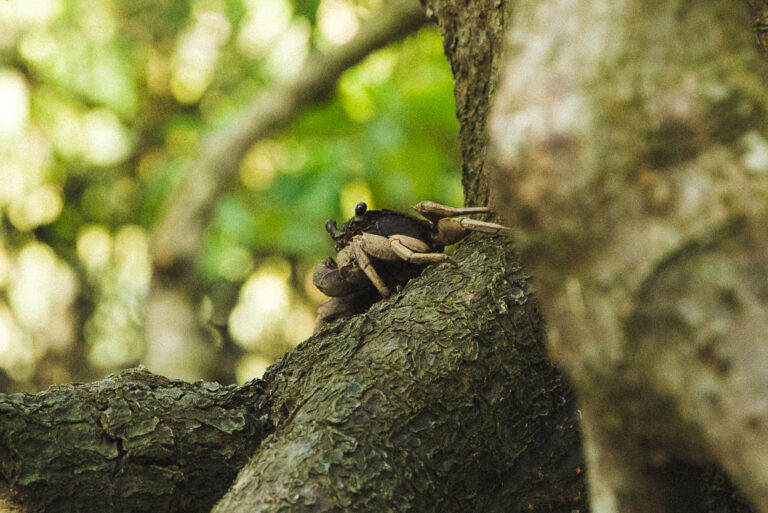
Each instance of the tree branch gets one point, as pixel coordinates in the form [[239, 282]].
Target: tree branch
[[134, 441], [473, 38], [440, 398]]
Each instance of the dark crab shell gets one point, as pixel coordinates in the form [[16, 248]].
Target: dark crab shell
[[384, 222]]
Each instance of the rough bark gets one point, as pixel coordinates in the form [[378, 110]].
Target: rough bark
[[134, 441], [630, 141], [473, 39], [392, 424], [439, 398]]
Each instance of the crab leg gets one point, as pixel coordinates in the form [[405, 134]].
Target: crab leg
[[451, 231], [328, 279], [364, 263], [413, 257], [435, 211], [344, 306]]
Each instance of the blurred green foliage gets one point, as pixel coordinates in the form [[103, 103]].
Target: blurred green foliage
[[102, 105]]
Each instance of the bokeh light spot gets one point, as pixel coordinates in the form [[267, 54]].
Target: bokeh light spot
[[104, 140], [337, 21], [41, 206], [197, 51], [94, 246], [251, 367], [258, 167], [264, 22], [131, 255], [235, 264], [30, 12], [263, 303], [14, 105], [352, 194], [756, 155], [42, 291], [97, 19], [16, 353], [301, 320], [287, 56]]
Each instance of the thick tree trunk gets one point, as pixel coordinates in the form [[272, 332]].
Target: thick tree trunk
[[438, 399], [630, 141], [432, 405]]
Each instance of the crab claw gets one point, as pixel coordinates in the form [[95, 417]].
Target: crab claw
[[330, 227], [328, 279]]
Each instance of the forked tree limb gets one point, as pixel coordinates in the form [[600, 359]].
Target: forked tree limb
[[440, 398]]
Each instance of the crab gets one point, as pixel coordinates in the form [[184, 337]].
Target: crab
[[378, 250]]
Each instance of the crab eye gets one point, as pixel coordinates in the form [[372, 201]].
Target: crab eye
[[360, 209], [330, 225]]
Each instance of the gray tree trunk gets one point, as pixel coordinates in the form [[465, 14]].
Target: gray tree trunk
[[630, 141]]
